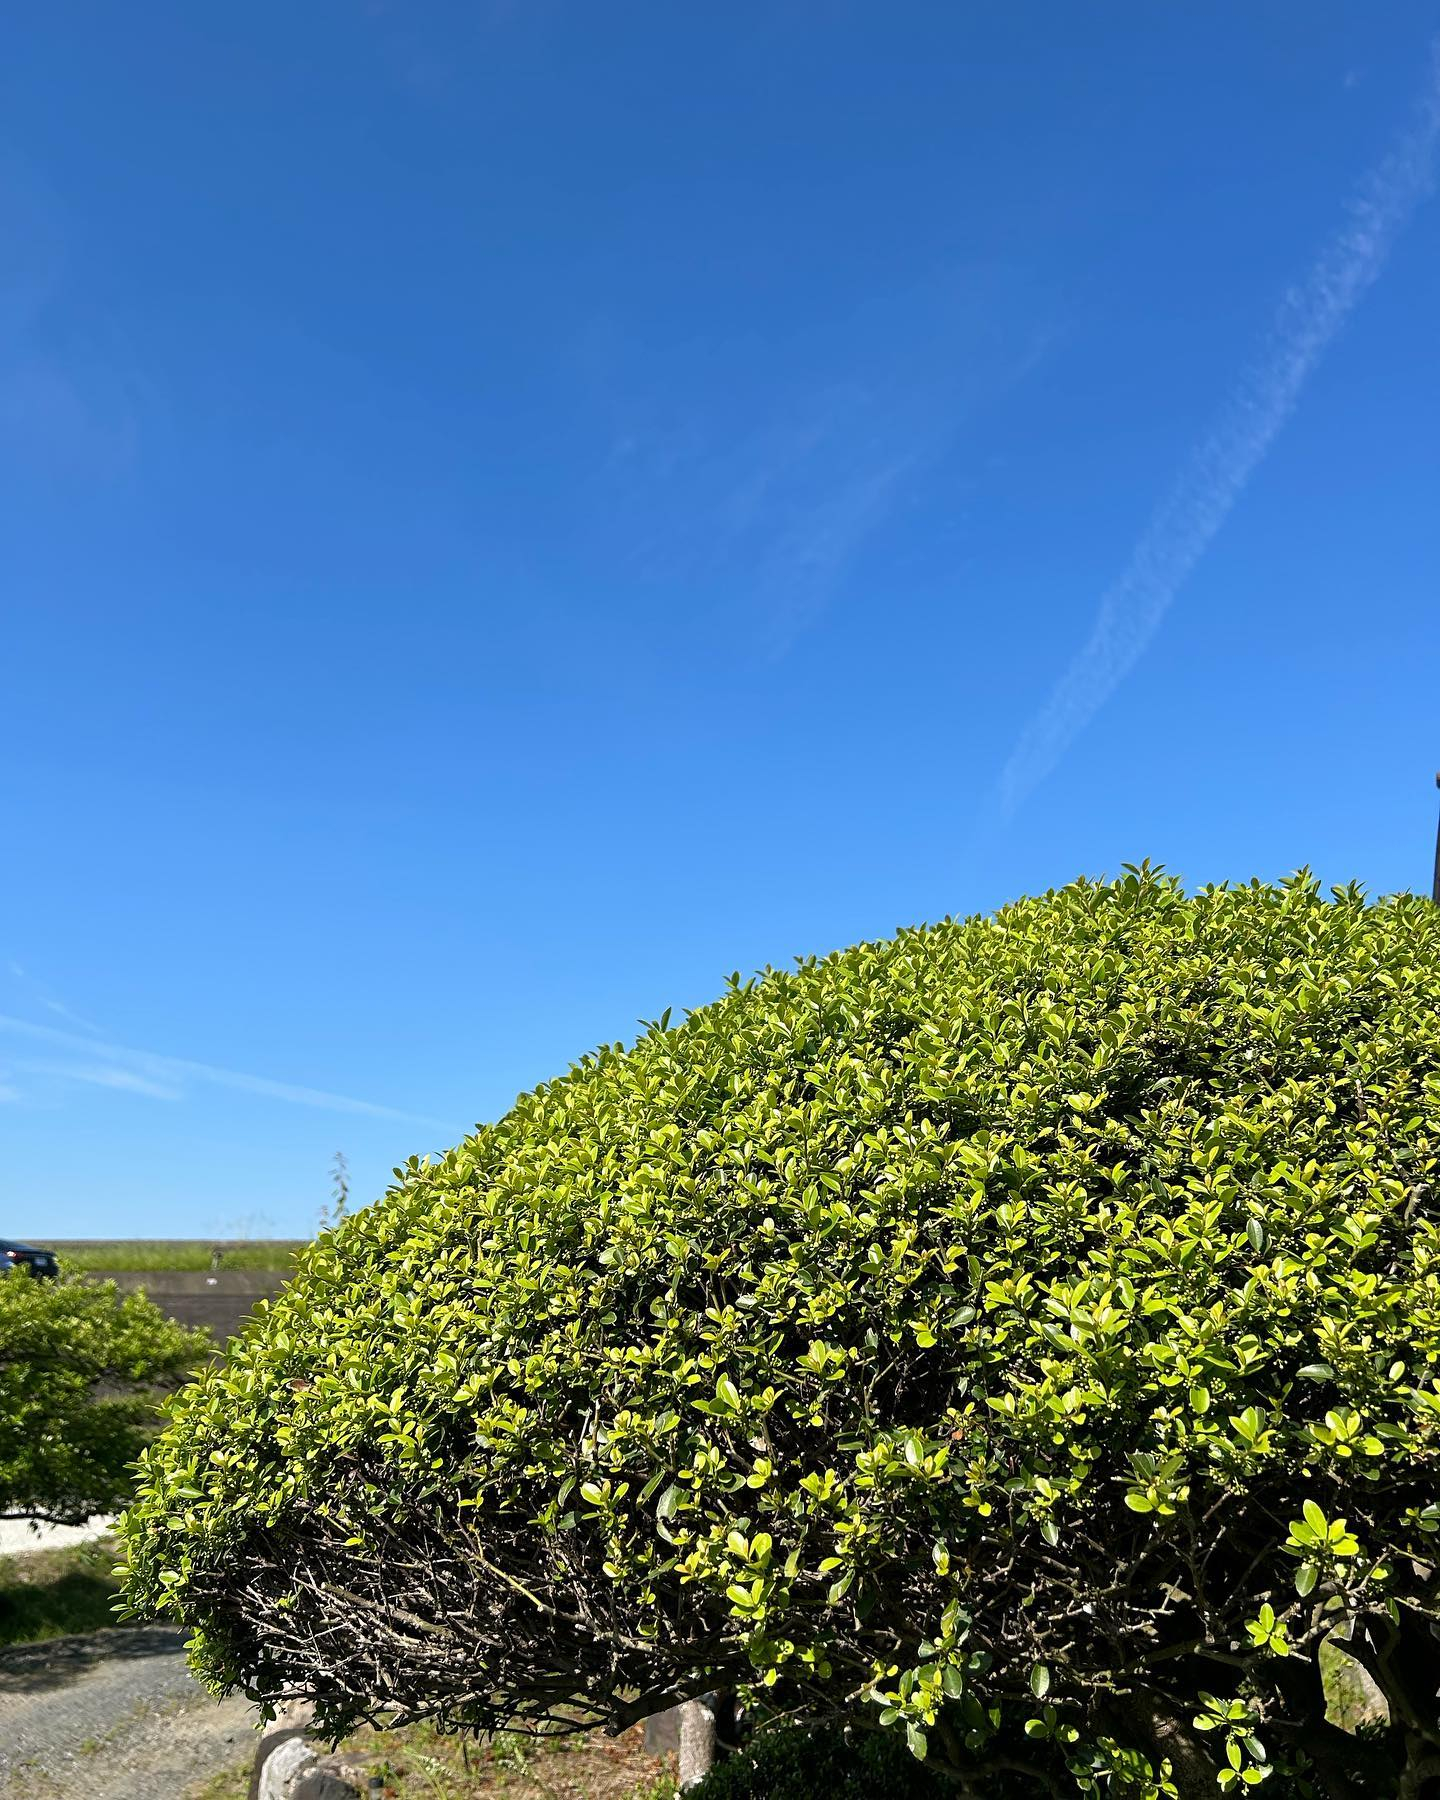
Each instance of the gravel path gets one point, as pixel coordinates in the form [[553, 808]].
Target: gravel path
[[111, 1715]]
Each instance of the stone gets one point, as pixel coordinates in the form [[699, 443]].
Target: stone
[[289, 1767], [662, 1732], [322, 1782], [292, 1721]]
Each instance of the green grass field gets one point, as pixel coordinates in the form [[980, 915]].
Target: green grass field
[[49, 1593], [87, 1256]]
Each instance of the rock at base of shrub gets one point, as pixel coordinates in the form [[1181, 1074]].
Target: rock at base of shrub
[[288, 1767], [662, 1732]]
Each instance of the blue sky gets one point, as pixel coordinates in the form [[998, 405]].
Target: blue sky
[[513, 511]]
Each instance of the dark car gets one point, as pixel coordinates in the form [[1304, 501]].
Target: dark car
[[25, 1256]]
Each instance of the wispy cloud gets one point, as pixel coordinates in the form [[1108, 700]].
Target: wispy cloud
[[1251, 418], [105, 1075], [760, 474], [62, 1011], [42, 996], [808, 494], [809, 558], [779, 507], [145, 1072]]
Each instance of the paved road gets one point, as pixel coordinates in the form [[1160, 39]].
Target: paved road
[[111, 1715], [19, 1535]]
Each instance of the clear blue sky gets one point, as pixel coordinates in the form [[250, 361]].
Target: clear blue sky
[[512, 511]]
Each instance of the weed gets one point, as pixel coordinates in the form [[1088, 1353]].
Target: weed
[[663, 1786]]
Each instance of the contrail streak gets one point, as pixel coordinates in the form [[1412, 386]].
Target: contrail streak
[[1212, 479], [165, 1071]]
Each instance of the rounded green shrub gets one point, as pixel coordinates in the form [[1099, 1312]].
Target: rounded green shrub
[[83, 1370], [1023, 1334], [797, 1763]]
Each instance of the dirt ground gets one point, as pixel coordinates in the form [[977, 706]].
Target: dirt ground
[[114, 1714], [420, 1765]]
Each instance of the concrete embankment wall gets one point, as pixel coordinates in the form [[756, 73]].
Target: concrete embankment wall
[[221, 1299]]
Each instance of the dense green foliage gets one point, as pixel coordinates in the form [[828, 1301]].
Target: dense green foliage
[[800, 1764], [1026, 1330], [831, 1763], [82, 1369]]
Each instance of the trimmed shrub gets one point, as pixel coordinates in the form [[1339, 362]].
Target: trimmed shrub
[[799, 1764], [83, 1369], [828, 1763], [1026, 1330]]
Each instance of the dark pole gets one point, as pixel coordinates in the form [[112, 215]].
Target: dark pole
[[1435, 886]]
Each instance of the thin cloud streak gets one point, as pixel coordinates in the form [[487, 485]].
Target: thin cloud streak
[[61, 1011], [166, 1071], [43, 997], [1212, 480], [115, 1076]]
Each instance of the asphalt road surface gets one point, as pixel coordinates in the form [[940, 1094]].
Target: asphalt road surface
[[111, 1715], [19, 1535]]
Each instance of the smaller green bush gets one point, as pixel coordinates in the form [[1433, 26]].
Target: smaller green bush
[[83, 1371], [797, 1763]]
